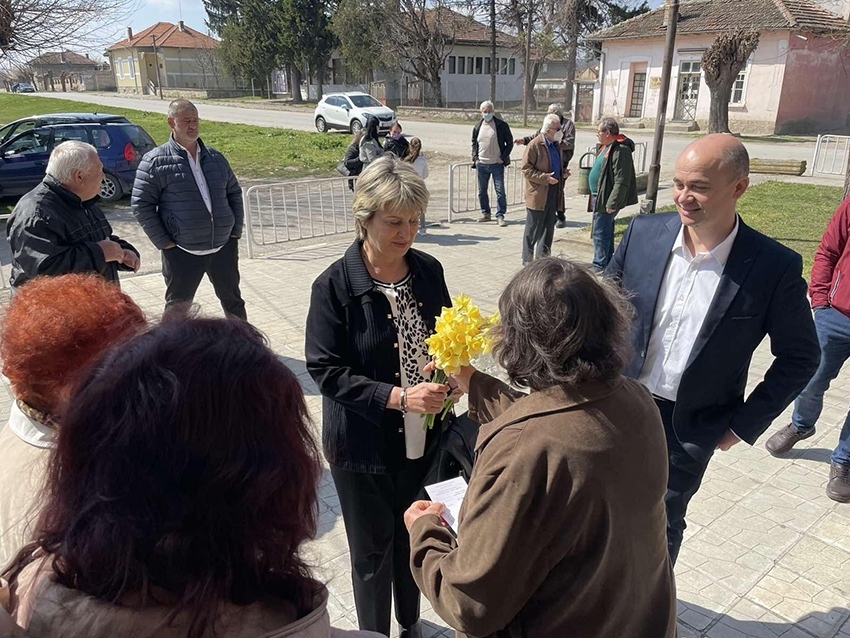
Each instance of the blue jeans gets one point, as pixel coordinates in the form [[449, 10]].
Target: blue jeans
[[498, 173], [603, 239], [833, 329]]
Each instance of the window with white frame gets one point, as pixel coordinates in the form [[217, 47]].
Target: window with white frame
[[451, 64], [125, 67], [739, 95]]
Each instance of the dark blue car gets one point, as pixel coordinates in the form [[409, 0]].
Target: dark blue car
[[120, 145]]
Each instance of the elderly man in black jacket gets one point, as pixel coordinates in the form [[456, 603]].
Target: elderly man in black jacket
[[57, 228], [189, 203]]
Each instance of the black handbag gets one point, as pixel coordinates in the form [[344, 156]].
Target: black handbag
[[455, 452]]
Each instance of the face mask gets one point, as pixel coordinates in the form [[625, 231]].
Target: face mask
[[559, 136], [487, 116], [395, 136]]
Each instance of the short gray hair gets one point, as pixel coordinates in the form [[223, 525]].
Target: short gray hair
[[610, 125], [69, 157], [486, 104], [178, 105], [548, 121], [559, 324], [555, 108], [387, 180]]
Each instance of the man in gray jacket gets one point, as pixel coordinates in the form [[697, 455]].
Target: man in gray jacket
[[189, 203]]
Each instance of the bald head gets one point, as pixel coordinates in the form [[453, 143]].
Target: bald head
[[723, 151]]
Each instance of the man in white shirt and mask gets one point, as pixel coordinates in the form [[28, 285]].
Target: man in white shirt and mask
[[706, 289], [492, 143]]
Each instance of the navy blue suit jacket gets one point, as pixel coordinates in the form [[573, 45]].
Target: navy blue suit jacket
[[761, 292]]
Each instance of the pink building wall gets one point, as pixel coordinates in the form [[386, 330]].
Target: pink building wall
[[792, 85], [816, 89]]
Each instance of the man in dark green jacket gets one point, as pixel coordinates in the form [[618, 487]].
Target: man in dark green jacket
[[613, 185]]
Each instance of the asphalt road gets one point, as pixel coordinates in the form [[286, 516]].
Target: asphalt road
[[451, 139]]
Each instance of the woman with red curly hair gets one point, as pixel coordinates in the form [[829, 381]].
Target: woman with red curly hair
[[182, 488], [54, 328]]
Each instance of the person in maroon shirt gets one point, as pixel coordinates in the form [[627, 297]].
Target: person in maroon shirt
[[829, 289]]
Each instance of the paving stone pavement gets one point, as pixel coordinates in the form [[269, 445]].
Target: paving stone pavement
[[766, 553]]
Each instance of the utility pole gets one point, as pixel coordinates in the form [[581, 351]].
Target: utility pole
[[156, 64], [526, 75], [672, 18], [493, 52]]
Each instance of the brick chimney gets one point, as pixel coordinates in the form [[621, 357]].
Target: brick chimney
[[129, 33], [180, 26]]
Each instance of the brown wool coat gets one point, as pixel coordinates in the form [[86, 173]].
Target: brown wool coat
[[562, 532], [536, 169]]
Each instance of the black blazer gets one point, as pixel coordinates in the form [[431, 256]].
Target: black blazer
[[352, 356], [760, 293]]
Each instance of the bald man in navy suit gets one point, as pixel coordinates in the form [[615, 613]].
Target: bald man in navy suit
[[707, 288]]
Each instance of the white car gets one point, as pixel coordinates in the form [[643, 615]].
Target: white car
[[348, 111]]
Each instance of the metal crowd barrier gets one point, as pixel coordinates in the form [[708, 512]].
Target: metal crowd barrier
[[463, 188], [638, 156], [305, 209], [830, 157]]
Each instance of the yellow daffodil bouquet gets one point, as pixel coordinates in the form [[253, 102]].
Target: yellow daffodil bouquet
[[462, 334]]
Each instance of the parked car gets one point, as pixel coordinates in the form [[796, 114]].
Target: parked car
[[34, 121], [120, 145], [348, 111], [23, 87]]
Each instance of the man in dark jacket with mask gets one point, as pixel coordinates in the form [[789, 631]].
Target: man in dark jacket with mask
[[613, 186], [57, 228], [189, 203], [492, 144]]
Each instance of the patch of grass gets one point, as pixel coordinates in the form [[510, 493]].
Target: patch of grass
[[793, 214], [253, 151]]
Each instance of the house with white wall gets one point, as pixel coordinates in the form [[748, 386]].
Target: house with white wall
[[465, 76], [797, 80]]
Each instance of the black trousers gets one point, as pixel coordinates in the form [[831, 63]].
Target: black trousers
[[540, 228], [567, 156], [183, 273], [683, 481], [373, 507]]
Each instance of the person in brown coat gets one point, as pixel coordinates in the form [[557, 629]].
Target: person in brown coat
[[562, 532], [544, 189]]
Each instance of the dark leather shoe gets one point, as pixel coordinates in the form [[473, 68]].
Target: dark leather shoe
[[785, 439], [414, 631], [838, 488], [561, 223]]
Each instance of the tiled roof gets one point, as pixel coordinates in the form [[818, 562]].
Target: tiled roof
[[466, 30], [168, 35], [63, 57], [713, 16]]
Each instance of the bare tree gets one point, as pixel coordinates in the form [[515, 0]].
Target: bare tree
[[421, 32], [26, 26], [209, 64], [722, 62]]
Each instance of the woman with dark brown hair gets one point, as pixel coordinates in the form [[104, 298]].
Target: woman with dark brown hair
[[53, 329], [562, 530], [182, 487]]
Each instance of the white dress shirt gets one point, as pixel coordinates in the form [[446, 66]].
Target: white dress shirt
[[201, 181], [687, 290]]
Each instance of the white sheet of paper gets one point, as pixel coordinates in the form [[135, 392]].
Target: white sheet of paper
[[450, 493]]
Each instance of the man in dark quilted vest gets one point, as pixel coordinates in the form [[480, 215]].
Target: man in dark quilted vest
[[189, 203]]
